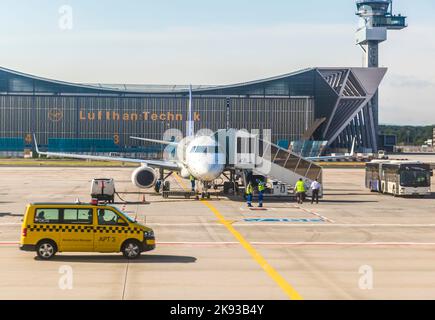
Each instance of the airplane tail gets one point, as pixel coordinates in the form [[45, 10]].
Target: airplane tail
[[352, 151], [36, 146], [190, 128], [190, 124]]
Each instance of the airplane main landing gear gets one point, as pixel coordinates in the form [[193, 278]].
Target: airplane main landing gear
[[166, 189]]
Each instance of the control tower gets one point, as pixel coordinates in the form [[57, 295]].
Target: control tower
[[376, 18]]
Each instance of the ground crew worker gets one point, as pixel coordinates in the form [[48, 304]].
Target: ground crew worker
[[261, 189], [300, 191], [249, 194], [158, 186], [193, 183], [315, 189]]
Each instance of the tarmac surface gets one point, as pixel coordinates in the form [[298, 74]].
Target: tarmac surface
[[353, 245]]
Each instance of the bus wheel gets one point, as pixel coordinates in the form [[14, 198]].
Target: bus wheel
[[46, 249], [131, 249]]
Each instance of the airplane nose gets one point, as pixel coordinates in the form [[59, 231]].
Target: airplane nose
[[206, 167], [209, 171]]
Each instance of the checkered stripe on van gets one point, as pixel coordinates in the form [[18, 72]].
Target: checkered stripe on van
[[118, 230], [83, 229]]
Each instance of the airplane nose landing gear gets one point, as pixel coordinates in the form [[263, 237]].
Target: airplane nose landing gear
[[205, 194]]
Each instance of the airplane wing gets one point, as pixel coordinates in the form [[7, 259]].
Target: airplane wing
[[329, 158], [156, 141], [152, 163], [341, 157]]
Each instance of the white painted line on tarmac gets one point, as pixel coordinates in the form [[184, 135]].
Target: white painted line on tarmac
[[196, 243], [362, 225], [278, 224], [184, 225], [9, 243], [279, 244], [314, 213], [363, 244], [283, 244], [294, 225], [246, 209]]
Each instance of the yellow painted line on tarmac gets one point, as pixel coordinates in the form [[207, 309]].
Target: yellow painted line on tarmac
[[271, 272], [180, 182]]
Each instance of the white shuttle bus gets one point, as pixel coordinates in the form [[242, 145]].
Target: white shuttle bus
[[399, 178]]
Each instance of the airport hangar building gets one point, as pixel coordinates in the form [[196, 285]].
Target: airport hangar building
[[317, 104]]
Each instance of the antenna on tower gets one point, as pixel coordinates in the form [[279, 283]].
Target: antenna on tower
[[190, 124]]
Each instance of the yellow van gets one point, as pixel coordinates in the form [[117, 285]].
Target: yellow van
[[49, 228]]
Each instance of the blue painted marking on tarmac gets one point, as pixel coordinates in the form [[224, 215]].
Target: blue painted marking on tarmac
[[284, 220]]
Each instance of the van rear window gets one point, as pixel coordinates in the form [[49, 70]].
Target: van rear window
[[47, 216]]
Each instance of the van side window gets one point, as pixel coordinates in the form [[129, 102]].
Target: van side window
[[109, 218], [80, 216], [47, 216]]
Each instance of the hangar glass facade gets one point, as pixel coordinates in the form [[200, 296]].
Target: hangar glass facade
[[313, 104]]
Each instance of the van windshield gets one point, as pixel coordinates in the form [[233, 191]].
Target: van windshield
[[124, 215]]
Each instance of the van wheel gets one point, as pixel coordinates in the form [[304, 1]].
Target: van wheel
[[46, 249], [131, 249]]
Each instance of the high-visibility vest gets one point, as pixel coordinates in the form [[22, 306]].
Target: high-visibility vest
[[192, 178], [300, 186], [249, 189], [261, 187]]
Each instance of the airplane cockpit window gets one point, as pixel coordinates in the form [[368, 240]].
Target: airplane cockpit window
[[200, 149], [205, 149]]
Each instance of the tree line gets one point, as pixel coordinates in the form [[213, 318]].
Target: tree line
[[409, 135]]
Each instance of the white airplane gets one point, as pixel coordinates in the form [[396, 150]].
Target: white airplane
[[200, 157]]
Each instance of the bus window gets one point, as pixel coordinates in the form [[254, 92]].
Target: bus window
[[414, 178]]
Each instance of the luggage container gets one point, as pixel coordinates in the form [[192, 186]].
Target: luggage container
[[103, 190]]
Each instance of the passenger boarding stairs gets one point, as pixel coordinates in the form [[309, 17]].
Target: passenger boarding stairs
[[264, 158]]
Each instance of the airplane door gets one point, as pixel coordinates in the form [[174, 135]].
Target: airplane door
[[246, 151]]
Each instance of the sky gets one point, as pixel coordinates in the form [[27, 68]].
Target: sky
[[216, 42]]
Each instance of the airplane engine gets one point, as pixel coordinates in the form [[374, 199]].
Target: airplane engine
[[144, 177]]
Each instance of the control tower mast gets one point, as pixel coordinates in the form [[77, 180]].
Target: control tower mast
[[376, 18]]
